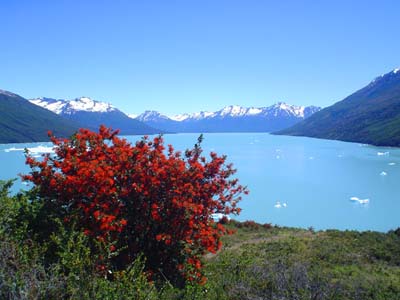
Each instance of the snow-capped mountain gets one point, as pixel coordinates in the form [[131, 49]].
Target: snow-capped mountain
[[151, 115], [231, 118], [236, 111], [91, 114], [283, 109], [61, 106]]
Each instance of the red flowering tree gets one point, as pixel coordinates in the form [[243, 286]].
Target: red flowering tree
[[139, 199]]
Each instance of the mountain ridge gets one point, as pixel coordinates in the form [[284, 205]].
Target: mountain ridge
[[370, 115], [22, 121]]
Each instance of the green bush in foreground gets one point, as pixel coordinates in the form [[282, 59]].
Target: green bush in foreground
[[258, 262]]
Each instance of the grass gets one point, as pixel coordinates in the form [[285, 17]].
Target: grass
[[292, 263]]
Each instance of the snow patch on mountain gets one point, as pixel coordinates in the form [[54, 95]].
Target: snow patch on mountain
[[87, 104], [193, 116], [232, 111], [254, 111], [55, 105], [180, 117], [133, 116]]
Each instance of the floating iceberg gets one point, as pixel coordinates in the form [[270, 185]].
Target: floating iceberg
[[278, 204], [358, 200], [391, 163], [383, 173], [363, 201], [382, 153]]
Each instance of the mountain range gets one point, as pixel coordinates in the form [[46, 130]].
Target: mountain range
[[231, 118], [371, 115], [91, 113], [22, 121]]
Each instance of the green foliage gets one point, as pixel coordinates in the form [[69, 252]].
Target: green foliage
[[298, 264], [257, 262]]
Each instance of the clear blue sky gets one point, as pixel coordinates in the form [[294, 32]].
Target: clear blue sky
[[192, 55]]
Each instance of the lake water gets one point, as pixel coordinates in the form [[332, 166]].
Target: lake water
[[318, 183]]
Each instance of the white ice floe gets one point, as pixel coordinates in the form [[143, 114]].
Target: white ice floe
[[363, 201], [41, 149], [33, 150], [382, 153], [278, 204], [13, 149], [278, 157], [358, 200], [391, 163], [383, 173]]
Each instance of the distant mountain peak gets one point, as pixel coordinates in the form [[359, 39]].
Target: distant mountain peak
[[71, 106], [232, 110], [150, 115], [88, 104], [281, 105]]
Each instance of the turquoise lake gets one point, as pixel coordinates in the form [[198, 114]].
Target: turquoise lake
[[293, 181]]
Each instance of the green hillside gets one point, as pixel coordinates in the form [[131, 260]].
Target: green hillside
[[22, 121], [370, 115]]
